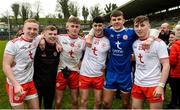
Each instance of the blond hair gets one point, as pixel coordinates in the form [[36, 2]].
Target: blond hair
[[50, 27], [31, 21], [74, 20]]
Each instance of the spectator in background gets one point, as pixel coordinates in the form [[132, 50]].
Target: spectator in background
[[175, 66], [173, 101], [172, 39], [165, 32]]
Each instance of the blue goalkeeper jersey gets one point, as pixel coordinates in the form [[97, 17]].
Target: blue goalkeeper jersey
[[121, 50]]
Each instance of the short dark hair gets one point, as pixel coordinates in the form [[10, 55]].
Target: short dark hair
[[141, 18], [116, 13], [98, 19], [172, 33]]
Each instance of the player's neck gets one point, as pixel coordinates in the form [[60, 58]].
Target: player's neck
[[27, 38], [119, 29], [73, 36], [143, 38], [98, 35]]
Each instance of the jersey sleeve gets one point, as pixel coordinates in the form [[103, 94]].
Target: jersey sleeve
[[162, 49], [135, 37], [37, 40], [83, 44], [108, 43], [154, 33], [91, 32], [106, 32], [59, 39], [11, 48]]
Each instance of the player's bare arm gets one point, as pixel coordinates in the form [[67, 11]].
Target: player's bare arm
[[8, 61], [159, 91]]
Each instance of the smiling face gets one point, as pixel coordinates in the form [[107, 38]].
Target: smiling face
[[164, 28], [30, 30], [98, 29], [117, 22], [172, 38], [51, 36], [142, 27]]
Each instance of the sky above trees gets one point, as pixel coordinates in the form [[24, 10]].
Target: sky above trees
[[48, 7]]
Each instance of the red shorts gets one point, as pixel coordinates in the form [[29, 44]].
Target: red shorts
[[72, 81], [139, 92], [30, 93], [91, 82]]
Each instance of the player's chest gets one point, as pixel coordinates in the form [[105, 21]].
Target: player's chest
[[120, 41], [100, 46], [72, 44], [144, 53], [26, 51]]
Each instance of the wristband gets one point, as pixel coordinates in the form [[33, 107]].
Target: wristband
[[161, 85]]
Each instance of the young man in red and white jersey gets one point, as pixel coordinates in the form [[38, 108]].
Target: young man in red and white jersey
[[91, 72], [18, 67], [150, 78], [68, 70]]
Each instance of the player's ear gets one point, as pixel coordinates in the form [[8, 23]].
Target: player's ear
[[67, 29], [123, 20]]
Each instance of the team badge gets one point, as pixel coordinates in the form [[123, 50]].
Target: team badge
[[55, 53], [125, 37], [104, 45]]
